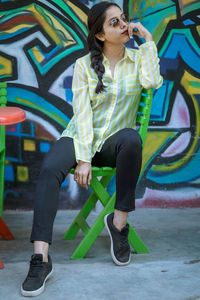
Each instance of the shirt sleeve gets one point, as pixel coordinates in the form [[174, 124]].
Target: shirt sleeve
[[149, 69], [82, 114]]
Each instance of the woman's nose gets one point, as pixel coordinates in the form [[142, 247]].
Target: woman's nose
[[122, 24]]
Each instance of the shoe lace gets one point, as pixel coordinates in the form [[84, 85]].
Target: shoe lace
[[35, 268]]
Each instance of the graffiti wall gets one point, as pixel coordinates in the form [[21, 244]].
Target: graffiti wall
[[39, 44]]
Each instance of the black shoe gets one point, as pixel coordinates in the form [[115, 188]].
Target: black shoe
[[39, 272], [120, 248]]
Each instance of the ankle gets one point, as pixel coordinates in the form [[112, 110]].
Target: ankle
[[119, 219], [41, 247], [118, 225]]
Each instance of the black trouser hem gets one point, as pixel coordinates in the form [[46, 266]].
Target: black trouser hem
[[41, 240], [125, 209]]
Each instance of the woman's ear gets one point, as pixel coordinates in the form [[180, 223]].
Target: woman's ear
[[100, 36]]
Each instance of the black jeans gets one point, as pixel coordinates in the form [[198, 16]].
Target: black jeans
[[122, 150]]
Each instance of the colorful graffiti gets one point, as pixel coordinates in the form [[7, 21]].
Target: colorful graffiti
[[39, 43]]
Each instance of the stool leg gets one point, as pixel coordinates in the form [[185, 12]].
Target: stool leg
[[5, 231], [76, 225], [79, 222], [94, 232], [136, 241]]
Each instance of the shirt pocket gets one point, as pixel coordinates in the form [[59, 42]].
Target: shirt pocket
[[132, 84], [95, 99]]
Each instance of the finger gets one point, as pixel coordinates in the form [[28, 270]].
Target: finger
[[84, 182], [80, 179], [132, 28], [84, 186], [90, 177], [75, 177]]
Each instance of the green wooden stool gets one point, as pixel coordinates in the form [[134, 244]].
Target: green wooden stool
[[99, 193]]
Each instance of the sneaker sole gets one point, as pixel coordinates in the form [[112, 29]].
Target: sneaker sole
[[38, 291], [116, 261]]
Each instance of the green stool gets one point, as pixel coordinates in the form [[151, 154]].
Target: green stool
[[99, 193]]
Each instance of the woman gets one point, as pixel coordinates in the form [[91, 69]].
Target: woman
[[106, 92]]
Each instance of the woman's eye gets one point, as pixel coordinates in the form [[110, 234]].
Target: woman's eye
[[125, 18], [114, 22]]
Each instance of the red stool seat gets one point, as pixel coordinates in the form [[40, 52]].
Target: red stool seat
[[11, 115]]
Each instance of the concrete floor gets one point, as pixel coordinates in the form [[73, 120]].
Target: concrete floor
[[171, 271]]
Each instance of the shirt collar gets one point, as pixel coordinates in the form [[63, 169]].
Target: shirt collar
[[127, 54]]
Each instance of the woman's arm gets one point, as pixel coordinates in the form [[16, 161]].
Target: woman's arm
[[82, 114], [84, 126], [149, 68]]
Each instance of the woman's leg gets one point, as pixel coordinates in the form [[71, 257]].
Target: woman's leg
[[56, 165], [123, 150]]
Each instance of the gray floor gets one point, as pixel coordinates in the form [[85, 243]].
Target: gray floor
[[170, 271]]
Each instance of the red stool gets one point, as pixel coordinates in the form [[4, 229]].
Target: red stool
[[8, 116]]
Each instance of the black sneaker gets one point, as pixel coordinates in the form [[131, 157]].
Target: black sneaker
[[120, 248], [38, 274]]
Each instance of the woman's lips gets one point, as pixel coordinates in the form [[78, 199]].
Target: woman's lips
[[125, 32]]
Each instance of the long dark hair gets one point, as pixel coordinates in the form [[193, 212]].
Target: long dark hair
[[96, 18]]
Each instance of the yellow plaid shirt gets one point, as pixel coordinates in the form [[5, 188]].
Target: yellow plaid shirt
[[98, 116]]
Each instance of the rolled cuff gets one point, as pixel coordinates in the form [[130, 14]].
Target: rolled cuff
[[150, 69], [82, 151]]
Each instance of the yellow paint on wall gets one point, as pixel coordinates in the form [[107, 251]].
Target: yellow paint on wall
[[78, 11], [18, 27], [6, 66], [38, 54], [187, 2], [43, 22], [154, 141], [67, 39], [198, 29], [29, 145], [22, 173], [186, 82]]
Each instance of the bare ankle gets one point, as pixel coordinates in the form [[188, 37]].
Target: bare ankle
[[119, 226], [119, 219], [41, 247]]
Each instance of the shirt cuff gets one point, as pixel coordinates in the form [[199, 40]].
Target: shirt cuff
[[148, 44], [82, 151]]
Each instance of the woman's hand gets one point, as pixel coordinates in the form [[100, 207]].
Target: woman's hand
[[139, 30], [83, 174]]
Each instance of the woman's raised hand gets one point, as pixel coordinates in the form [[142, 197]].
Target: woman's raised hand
[[83, 174], [139, 30]]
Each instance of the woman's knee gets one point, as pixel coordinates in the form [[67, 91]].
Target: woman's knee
[[129, 139]]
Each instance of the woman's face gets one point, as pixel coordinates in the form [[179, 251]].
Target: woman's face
[[115, 27]]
